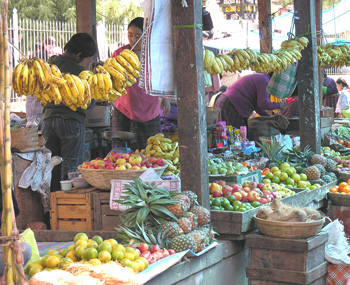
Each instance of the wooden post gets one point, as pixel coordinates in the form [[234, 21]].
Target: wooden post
[[86, 22], [265, 26], [308, 90], [318, 12], [192, 129]]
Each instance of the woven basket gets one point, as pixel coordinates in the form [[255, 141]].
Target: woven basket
[[339, 199], [25, 139], [101, 178], [212, 114], [287, 229], [345, 176]]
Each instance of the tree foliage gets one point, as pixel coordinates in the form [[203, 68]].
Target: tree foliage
[[327, 4]]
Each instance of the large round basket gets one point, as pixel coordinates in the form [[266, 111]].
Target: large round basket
[[101, 178], [339, 199], [287, 229], [345, 176]]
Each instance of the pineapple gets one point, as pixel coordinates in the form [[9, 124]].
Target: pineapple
[[193, 218], [326, 178], [333, 176], [192, 196], [200, 240], [177, 209], [318, 159], [183, 242], [202, 213], [331, 165], [171, 229], [185, 201], [272, 150], [312, 173], [321, 169], [185, 224]]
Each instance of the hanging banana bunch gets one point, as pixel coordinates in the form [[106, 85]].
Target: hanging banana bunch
[[336, 56]]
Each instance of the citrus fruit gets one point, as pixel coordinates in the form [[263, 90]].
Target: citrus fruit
[[289, 171], [92, 243], [130, 256], [231, 198], [126, 262], [112, 242], [141, 265], [90, 253], [104, 256], [217, 202], [65, 262], [78, 252], [285, 165], [267, 181], [98, 239], [135, 267], [296, 177], [43, 260], [269, 175], [105, 246], [273, 169], [302, 184], [70, 248], [119, 247], [30, 266], [290, 181], [283, 176], [34, 270], [117, 255], [63, 252], [145, 261], [82, 243], [53, 252], [303, 177], [53, 261], [79, 236], [72, 256], [275, 179], [277, 173], [256, 204], [95, 262]]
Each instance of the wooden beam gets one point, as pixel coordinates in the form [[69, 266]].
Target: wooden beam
[[318, 13], [192, 128], [308, 89], [264, 9], [86, 22]]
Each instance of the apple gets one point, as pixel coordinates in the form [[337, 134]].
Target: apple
[[152, 160], [247, 189], [91, 166], [236, 188], [269, 198], [262, 200], [267, 187], [216, 181], [245, 199], [127, 165], [120, 167], [145, 254], [243, 193], [98, 158], [217, 194], [135, 158], [273, 194], [152, 259], [238, 196], [253, 196], [143, 167], [121, 161], [99, 163], [143, 247], [143, 158], [155, 166], [85, 164], [165, 253], [245, 184], [260, 186], [110, 167], [227, 194], [148, 164], [266, 192], [135, 167], [214, 187], [226, 189], [126, 156], [155, 248], [116, 156], [161, 162], [171, 251], [138, 251], [222, 182], [278, 195], [108, 163], [101, 167], [135, 164], [252, 185]]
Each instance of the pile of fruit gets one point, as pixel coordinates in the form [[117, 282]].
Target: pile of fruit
[[330, 54], [241, 59], [228, 168], [342, 188], [249, 195], [160, 147], [329, 153], [96, 251], [37, 78], [321, 168], [124, 161], [157, 218]]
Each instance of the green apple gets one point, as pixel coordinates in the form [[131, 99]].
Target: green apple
[[302, 184], [303, 177], [285, 165], [290, 181], [296, 177]]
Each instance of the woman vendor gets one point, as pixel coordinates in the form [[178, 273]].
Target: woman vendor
[[137, 110], [243, 97]]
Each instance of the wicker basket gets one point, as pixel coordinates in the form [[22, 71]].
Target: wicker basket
[[25, 139], [339, 199], [345, 176], [288, 229], [101, 178], [212, 114]]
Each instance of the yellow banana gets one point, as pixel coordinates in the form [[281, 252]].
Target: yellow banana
[[72, 87], [237, 62], [107, 82], [94, 87], [131, 78], [86, 74], [149, 147], [116, 75], [16, 75], [136, 58], [32, 81], [81, 89], [150, 140], [47, 72], [87, 95], [58, 80], [55, 70], [65, 94], [176, 160], [158, 154], [40, 74], [115, 64], [25, 79], [100, 85], [130, 59], [228, 60], [223, 62], [124, 63], [55, 94], [121, 90], [163, 146]]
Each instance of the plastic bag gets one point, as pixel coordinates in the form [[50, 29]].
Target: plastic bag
[[337, 246], [29, 238]]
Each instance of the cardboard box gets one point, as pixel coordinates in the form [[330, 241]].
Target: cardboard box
[[98, 116]]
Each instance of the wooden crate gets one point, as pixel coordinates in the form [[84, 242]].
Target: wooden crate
[[286, 261], [104, 218], [235, 225], [341, 213], [72, 210]]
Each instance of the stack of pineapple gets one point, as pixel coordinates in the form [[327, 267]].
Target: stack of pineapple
[[192, 230], [160, 147], [321, 168]]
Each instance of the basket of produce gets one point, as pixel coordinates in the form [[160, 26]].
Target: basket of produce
[[25, 139], [101, 178], [284, 221], [338, 199], [212, 114]]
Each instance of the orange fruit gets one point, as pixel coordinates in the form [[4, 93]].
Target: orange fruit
[[43, 260], [79, 236], [348, 181], [53, 252], [141, 264], [135, 267], [105, 246], [104, 256], [34, 270], [65, 262], [53, 261], [95, 262], [72, 256], [129, 256], [342, 185], [145, 261]]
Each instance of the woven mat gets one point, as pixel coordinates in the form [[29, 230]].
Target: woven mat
[[45, 247]]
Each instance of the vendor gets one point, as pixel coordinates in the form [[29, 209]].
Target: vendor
[[291, 106], [344, 97], [137, 110], [243, 97], [64, 129], [330, 92]]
